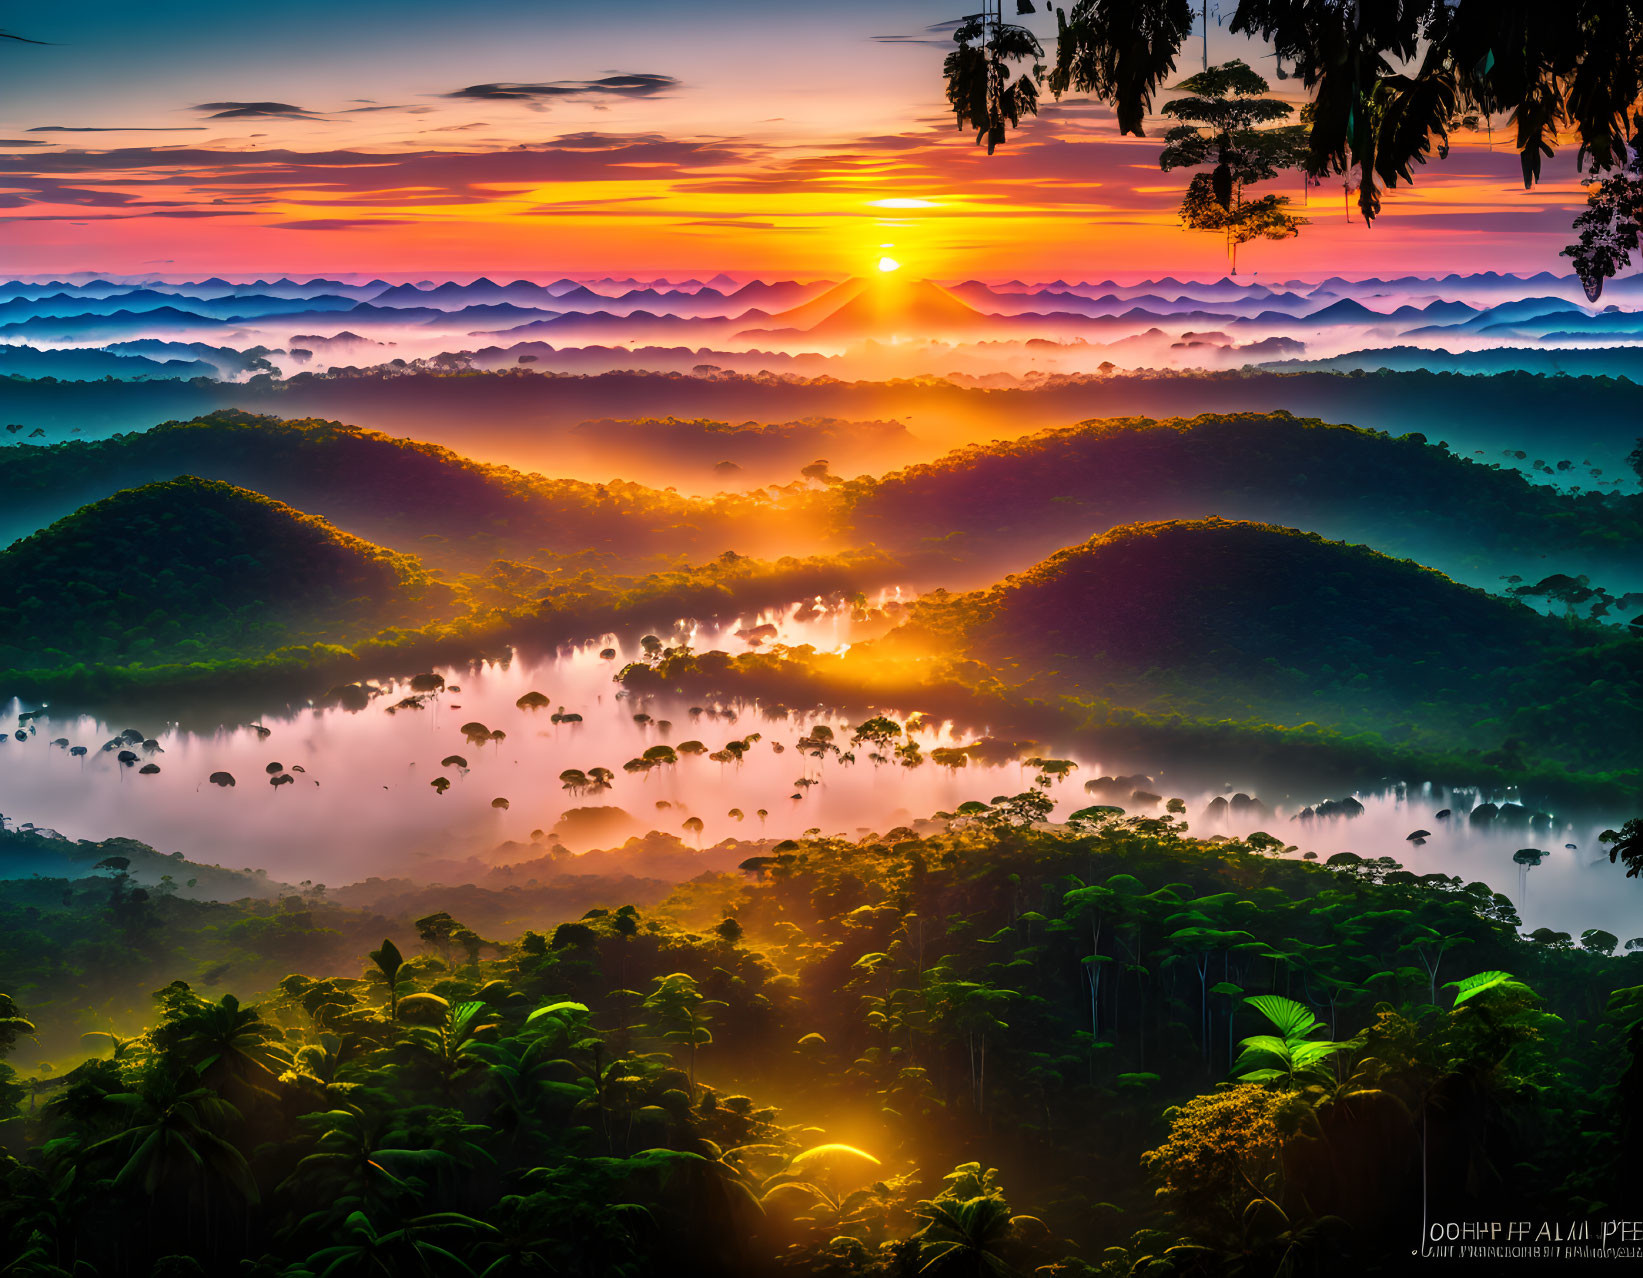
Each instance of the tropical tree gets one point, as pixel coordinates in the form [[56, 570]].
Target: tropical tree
[[1526, 859], [970, 1012], [175, 1149], [1430, 943], [1599, 941], [13, 1024], [412, 1248], [39, 1205], [447, 1039], [1390, 80], [879, 732], [680, 1013], [439, 931], [984, 88], [966, 1229], [229, 1045], [572, 1219], [1626, 846], [1220, 1169], [1201, 935], [1609, 227], [1221, 123], [358, 1161]]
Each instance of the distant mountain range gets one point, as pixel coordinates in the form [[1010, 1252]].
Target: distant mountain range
[[299, 325], [888, 310]]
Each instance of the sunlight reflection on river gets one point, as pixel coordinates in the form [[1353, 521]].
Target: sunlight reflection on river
[[363, 804]]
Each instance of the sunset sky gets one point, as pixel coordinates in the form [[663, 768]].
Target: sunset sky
[[640, 138]]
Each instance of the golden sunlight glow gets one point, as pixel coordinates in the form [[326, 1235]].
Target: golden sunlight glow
[[819, 1152], [889, 264], [902, 203]]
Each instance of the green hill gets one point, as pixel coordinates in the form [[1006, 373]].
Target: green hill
[[412, 496], [1402, 495], [1225, 597], [192, 569], [1254, 621]]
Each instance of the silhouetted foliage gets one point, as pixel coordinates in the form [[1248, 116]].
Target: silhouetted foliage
[[1221, 125], [1389, 79]]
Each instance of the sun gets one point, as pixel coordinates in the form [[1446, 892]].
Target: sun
[[888, 264]]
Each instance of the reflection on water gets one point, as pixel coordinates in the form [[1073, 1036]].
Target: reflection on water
[[359, 801]]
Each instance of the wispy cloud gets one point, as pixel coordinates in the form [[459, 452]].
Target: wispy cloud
[[210, 172], [408, 110], [341, 223], [117, 128], [145, 211], [636, 85], [730, 223], [255, 111], [928, 186]]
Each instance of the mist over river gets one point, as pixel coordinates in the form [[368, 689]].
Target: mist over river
[[360, 801]]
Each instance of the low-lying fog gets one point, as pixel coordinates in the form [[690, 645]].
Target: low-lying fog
[[359, 800]]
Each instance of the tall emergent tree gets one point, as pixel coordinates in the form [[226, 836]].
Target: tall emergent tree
[[1610, 227], [1220, 125], [1389, 81]]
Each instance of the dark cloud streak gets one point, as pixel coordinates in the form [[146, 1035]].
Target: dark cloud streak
[[637, 85], [255, 111], [340, 223], [118, 128], [354, 173]]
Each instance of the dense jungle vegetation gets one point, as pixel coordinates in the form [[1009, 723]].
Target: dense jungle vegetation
[[1106, 1048], [197, 569], [1216, 617], [1027, 497], [975, 1045], [193, 585], [413, 496], [1358, 644], [1306, 754], [1525, 411], [1204, 636], [739, 454], [514, 605], [1404, 495], [976, 510]]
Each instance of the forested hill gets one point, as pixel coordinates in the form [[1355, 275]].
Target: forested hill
[[413, 496], [196, 567], [1003, 505], [1404, 495], [1237, 618], [1228, 597]]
